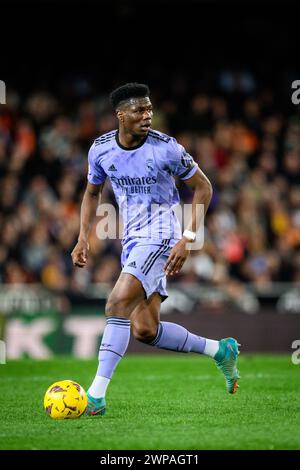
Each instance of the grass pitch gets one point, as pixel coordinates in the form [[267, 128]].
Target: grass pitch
[[159, 402]]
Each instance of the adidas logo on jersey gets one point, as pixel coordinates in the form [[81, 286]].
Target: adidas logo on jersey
[[112, 168], [132, 264]]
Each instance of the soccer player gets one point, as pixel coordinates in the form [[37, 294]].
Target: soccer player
[[141, 164]]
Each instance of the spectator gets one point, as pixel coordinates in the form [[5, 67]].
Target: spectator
[[250, 153]]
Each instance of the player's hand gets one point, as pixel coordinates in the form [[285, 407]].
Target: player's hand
[[178, 255], [80, 254]]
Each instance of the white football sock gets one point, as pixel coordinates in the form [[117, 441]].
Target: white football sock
[[99, 386], [211, 347]]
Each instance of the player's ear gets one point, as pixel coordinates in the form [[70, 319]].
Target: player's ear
[[120, 115]]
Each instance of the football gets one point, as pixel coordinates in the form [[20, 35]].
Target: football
[[65, 400]]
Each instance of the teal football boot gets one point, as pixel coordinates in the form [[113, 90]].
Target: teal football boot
[[95, 406], [226, 360]]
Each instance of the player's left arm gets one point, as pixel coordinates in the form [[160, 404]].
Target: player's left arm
[[202, 188]]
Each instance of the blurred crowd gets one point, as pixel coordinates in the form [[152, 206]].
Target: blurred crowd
[[244, 143]]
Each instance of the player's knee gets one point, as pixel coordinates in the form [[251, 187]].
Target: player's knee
[[144, 333], [116, 307]]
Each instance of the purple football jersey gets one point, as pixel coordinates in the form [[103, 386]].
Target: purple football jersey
[[142, 179]]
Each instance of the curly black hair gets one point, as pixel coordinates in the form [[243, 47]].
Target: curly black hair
[[130, 90]]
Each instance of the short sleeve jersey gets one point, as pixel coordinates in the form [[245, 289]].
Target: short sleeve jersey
[[142, 179]]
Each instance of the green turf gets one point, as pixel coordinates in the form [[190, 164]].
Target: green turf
[[166, 402]]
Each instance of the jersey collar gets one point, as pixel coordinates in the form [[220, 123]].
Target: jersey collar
[[130, 148]]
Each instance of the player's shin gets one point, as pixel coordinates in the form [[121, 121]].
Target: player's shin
[[177, 338], [113, 346]]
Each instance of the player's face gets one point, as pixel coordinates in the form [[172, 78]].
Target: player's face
[[136, 116]]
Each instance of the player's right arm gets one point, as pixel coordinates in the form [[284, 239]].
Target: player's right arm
[[89, 205], [96, 178]]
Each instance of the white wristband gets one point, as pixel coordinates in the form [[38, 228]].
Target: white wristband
[[191, 236]]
